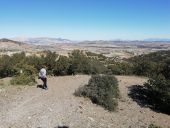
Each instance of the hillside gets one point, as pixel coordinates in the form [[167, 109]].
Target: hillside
[[33, 107], [10, 45], [158, 57]]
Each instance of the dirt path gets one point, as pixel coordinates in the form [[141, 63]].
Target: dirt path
[[31, 107]]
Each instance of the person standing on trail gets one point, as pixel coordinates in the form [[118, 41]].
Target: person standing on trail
[[43, 77]]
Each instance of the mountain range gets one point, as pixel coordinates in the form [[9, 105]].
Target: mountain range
[[157, 39], [42, 40]]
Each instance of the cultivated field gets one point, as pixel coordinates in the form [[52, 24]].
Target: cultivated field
[[119, 49]]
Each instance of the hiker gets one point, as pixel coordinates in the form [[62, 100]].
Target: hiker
[[43, 77]]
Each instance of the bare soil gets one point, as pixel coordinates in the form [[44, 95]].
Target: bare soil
[[31, 107]]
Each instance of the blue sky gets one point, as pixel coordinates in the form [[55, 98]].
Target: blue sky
[[85, 19]]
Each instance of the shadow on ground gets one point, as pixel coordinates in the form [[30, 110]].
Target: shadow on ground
[[139, 94], [58, 127], [62, 127], [40, 86]]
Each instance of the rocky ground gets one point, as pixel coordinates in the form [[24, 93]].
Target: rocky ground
[[31, 107]]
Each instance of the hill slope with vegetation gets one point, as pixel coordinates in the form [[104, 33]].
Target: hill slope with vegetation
[[102, 88]]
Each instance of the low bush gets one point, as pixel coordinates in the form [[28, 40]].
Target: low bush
[[159, 93], [121, 68], [25, 75], [1, 82], [146, 68], [154, 126], [6, 67], [81, 63], [61, 67], [102, 90], [23, 80]]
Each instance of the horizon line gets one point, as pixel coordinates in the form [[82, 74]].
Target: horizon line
[[147, 39]]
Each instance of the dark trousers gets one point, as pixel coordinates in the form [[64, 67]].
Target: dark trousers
[[44, 82]]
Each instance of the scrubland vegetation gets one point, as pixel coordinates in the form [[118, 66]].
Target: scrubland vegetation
[[102, 90], [156, 66], [154, 126], [77, 63]]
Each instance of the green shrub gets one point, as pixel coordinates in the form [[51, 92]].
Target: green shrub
[[23, 80], [159, 93], [25, 69], [166, 69], [49, 60], [6, 67], [102, 90], [156, 66], [81, 63], [146, 68], [152, 64], [154, 126], [77, 62], [35, 61], [62, 66], [96, 67], [25, 75], [121, 68]]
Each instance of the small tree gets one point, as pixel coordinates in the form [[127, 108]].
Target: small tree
[[35, 61], [81, 63], [6, 67], [62, 65], [49, 60], [145, 68], [121, 68]]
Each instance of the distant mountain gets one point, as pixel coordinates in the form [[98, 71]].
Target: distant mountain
[[157, 39], [8, 44], [10, 41], [42, 40]]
